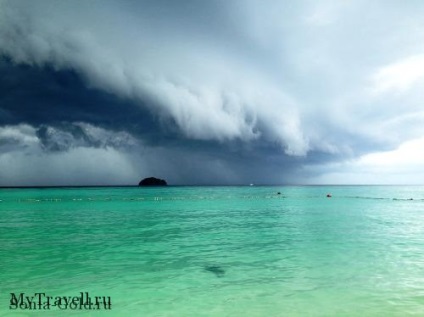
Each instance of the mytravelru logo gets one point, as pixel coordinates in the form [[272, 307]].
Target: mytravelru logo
[[41, 301]]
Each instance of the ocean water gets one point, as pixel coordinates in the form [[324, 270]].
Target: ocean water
[[216, 251]]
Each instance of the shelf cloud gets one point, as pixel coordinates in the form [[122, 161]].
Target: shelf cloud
[[217, 92]]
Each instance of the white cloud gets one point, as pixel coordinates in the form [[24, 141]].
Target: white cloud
[[325, 13], [404, 165], [399, 76], [407, 156]]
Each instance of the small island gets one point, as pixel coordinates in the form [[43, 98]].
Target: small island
[[152, 181]]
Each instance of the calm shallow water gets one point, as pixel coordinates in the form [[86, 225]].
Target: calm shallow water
[[218, 251]]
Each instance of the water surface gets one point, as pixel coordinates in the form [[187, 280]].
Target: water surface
[[218, 251]]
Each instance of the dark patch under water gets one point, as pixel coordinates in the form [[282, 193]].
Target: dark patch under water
[[215, 269]]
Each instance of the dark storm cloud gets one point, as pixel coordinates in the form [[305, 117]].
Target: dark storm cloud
[[53, 111], [41, 95], [53, 116], [215, 91]]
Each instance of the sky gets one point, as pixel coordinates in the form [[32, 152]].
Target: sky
[[107, 92]]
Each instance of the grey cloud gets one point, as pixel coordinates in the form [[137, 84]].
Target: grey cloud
[[78, 166], [17, 137], [73, 154], [82, 134], [65, 156], [24, 137]]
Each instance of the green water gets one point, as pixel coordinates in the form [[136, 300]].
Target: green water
[[217, 251]]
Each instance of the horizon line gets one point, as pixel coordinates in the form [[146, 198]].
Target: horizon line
[[194, 185]]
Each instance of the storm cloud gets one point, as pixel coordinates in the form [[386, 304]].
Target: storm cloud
[[219, 92]]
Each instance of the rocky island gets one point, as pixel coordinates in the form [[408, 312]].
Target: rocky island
[[152, 181]]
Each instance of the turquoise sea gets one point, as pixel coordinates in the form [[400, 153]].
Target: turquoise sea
[[217, 251]]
